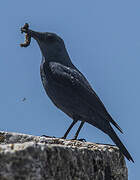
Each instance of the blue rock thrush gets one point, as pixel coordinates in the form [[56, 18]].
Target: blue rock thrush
[[68, 89]]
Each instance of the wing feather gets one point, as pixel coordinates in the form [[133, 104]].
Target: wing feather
[[67, 76]]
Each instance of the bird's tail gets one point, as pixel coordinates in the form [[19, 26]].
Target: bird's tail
[[120, 145]]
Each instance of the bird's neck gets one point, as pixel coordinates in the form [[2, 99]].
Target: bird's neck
[[61, 57]]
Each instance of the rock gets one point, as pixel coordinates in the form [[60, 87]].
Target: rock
[[27, 157]]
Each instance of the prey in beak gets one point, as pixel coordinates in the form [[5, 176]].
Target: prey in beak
[[25, 30]]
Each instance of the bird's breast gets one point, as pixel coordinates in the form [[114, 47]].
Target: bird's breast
[[43, 76], [47, 82]]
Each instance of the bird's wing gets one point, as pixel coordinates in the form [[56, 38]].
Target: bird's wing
[[68, 76]]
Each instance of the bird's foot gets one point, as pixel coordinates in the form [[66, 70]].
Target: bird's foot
[[81, 139], [48, 136]]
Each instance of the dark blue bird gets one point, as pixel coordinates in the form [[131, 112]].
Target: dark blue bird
[[68, 89]]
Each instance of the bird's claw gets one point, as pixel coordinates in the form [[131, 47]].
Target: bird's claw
[[81, 139], [48, 136]]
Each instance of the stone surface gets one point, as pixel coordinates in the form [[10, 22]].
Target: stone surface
[[27, 157]]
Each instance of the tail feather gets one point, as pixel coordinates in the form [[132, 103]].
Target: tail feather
[[120, 145], [116, 125], [110, 119]]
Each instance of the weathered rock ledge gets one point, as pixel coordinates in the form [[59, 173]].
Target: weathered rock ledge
[[27, 157]]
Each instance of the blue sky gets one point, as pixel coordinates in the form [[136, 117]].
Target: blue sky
[[103, 40]]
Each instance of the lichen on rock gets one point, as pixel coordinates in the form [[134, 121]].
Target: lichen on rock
[[27, 157]]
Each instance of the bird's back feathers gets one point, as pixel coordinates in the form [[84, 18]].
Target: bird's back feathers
[[68, 76]]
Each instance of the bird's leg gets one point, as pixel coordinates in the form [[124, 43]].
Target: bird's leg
[[27, 36], [68, 130], [77, 133]]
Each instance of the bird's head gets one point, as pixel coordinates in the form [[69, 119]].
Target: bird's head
[[51, 45]]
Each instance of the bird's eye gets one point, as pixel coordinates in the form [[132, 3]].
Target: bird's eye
[[50, 37]]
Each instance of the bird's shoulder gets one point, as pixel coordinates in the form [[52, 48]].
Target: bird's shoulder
[[57, 68], [70, 74]]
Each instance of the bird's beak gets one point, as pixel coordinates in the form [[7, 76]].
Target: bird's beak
[[36, 35]]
